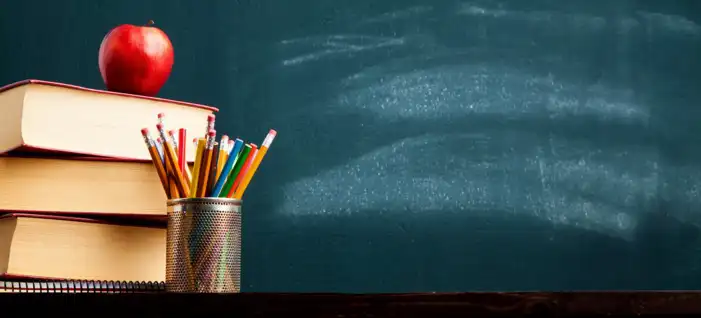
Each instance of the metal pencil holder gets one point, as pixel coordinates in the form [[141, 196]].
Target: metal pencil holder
[[203, 245]]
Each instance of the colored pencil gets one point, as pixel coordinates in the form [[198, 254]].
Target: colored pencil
[[231, 178], [223, 145], [182, 160], [256, 162], [229, 148], [226, 168], [244, 169], [221, 169], [175, 139]]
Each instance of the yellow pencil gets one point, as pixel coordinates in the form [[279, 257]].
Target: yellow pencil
[[196, 168], [223, 144], [256, 162]]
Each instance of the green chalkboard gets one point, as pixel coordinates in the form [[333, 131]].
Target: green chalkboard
[[432, 145]]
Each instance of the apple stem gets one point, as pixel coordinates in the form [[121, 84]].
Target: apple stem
[[150, 22]]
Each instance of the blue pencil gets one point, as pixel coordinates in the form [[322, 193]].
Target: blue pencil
[[238, 144]]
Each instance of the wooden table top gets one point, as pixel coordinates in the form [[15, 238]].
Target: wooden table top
[[364, 305]]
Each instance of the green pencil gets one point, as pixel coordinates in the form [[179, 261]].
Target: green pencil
[[243, 154]]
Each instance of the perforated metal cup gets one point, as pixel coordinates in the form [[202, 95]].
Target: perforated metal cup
[[203, 245]]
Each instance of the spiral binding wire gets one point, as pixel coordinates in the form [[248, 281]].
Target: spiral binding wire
[[81, 286]]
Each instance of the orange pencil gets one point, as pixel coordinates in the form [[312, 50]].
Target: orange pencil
[[172, 163], [256, 163], [174, 193], [206, 162], [244, 170], [155, 158]]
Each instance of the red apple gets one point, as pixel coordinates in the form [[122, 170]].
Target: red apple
[[135, 59]]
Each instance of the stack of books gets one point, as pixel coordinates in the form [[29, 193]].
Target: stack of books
[[79, 197]]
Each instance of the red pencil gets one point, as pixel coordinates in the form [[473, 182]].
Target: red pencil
[[182, 161]]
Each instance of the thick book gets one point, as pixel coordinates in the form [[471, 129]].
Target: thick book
[[52, 247], [80, 286], [87, 185], [41, 116]]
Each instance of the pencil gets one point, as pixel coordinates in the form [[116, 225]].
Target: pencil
[[169, 185], [206, 162], [182, 136], [229, 148], [196, 167], [256, 162], [223, 145], [194, 146], [210, 124], [244, 169], [159, 147], [173, 139], [171, 163], [216, 165], [226, 168], [188, 174], [212, 174], [157, 163], [240, 160], [172, 188], [171, 174]]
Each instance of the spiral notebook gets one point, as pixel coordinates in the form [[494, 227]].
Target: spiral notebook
[[80, 286]]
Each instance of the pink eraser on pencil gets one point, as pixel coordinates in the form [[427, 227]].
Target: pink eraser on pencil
[[159, 126], [212, 133], [211, 118], [171, 132], [161, 115], [273, 132], [144, 131], [231, 141]]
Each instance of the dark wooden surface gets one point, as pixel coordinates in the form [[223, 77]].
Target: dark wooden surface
[[345, 306]]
